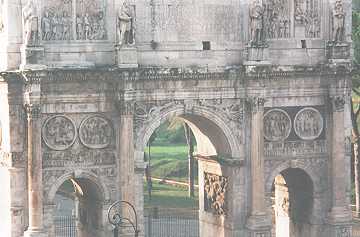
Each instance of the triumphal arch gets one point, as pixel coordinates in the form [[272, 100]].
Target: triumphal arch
[[263, 84]]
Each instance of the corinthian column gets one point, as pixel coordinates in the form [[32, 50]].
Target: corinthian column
[[340, 211], [259, 223], [34, 171]]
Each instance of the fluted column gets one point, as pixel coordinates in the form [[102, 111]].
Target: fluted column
[[340, 211], [259, 223], [34, 171]]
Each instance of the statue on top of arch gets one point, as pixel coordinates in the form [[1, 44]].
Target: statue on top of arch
[[126, 25], [338, 22], [257, 29], [30, 24]]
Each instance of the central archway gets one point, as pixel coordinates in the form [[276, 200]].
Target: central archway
[[215, 137]]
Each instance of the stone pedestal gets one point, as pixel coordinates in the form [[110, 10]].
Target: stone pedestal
[[126, 57], [338, 50], [257, 54], [32, 57]]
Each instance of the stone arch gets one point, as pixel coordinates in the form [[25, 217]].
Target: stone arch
[[104, 192], [304, 166], [228, 144]]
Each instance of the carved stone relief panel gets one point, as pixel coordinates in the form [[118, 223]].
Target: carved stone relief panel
[[215, 193], [96, 132], [73, 20], [277, 125], [308, 124], [59, 132], [78, 158], [278, 19], [295, 148], [307, 16]]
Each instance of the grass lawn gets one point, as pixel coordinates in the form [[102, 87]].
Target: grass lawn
[[170, 161], [168, 196]]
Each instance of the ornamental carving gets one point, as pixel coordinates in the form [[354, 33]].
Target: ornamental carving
[[343, 232], [73, 19], [96, 132], [295, 148], [277, 125], [338, 103], [82, 158], [215, 193], [59, 132], [308, 124]]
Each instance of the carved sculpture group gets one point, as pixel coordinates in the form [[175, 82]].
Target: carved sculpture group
[[215, 193]]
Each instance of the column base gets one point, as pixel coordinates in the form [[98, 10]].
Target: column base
[[259, 225], [35, 233]]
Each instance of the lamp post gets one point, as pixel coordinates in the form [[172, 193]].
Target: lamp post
[[118, 220]]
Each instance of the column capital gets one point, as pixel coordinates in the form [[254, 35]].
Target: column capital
[[338, 103], [256, 103], [125, 107], [33, 111]]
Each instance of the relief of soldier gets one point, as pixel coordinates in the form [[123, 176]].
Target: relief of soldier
[[57, 25]]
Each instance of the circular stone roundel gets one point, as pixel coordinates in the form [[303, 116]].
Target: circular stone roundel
[[277, 125], [308, 124], [96, 132], [59, 132]]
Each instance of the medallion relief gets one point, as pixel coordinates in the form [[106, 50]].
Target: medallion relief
[[59, 132], [308, 124], [277, 125], [96, 132]]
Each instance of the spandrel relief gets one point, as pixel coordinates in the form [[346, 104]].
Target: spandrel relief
[[73, 20]]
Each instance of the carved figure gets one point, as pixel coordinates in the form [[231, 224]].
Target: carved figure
[[256, 22], [338, 21], [66, 26], [46, 26], [79, 27], [87, 27], [30, 21], [125, 25]]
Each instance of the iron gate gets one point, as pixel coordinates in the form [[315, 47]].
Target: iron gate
[[65, 226], [171, 223]]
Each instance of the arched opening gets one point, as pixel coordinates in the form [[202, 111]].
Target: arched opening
[[209, 141], [78, 209], [292, 196]]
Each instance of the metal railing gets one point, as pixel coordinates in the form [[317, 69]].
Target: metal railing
[[171, 223], [65, 226]]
